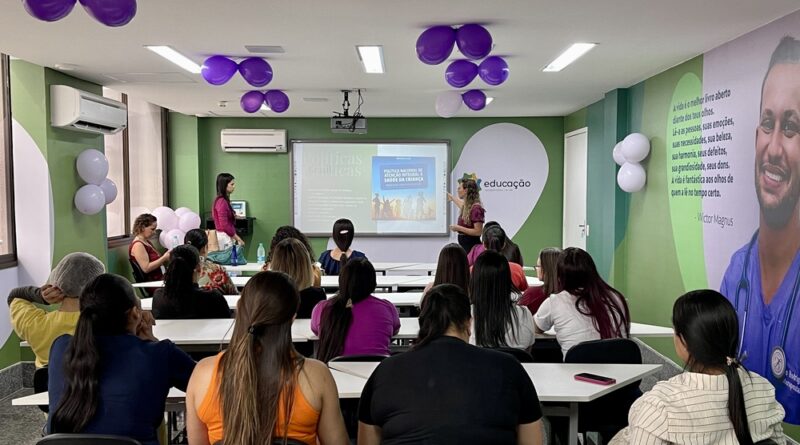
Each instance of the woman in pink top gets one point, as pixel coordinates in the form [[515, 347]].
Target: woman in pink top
[[224, 218], [354, 322]]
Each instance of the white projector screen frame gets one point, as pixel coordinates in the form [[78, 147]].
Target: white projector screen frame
[[442, 227]]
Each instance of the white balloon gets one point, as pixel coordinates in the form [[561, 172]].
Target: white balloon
[[631, 177], [92, 166], [89, 199], [109, 190], [174, 238], [181, 210], [617, 154], [163, 238], [448, 103], [189, 221], [635, 147], [167, 220]]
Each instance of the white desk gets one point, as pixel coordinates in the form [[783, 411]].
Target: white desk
[[255, 267], [423, 280], [430, 268], [554, 382], [147, 303], [350, 387], [637, 330], [329, 281], [208, 332]]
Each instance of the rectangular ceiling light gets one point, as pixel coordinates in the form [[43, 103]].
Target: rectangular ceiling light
[[176, 58], [572, 54], [371, 59], [489, 100], [264, 107]]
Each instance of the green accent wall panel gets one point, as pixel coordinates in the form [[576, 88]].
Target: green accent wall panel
[[184, 166]]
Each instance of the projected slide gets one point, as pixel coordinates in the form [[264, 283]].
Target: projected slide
[[384, 188]]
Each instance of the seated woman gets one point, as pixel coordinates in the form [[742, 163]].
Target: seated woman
[[212, 275], [452, 268], [181, 297], [333, 261], [510, 250], [546, 270], [716, 400], [112, 377], [354, 322], [142, 251], [494, 239], [498, 321], [587, 308], [260, 378], [447, 391], [290, 257], [40, 327], [285, 232]]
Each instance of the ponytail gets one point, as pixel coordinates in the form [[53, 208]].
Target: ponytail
[[105, 305], [179, 279], [443, 306], [356, 282], [737, 412]]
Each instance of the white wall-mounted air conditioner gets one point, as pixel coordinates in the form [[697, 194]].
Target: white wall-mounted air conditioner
[[73, 109], [253, 141]]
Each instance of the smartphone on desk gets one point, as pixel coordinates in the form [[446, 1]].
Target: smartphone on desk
[[594, 378]]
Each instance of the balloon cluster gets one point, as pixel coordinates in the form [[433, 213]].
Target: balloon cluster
[[107, 12], [628, 153], [436, 44], [218, 70], [276, 100], [174, 224], [99, 191]]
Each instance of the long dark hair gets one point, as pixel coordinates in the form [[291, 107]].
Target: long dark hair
[[178, 281], [285, 232], [343, 233], [494, 238], [105, 305], [223, 179], [260, 364], [444, 306], [578, 275], [548, 273], [356, 282], [707, 323], [452, 267], [196, 238], [490, 290]]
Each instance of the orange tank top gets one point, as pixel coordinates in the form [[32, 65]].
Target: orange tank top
[[302, 424]]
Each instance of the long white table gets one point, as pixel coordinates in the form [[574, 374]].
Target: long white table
[[330, 281], [399, 299], [255, 267], [430, 268], [554, 382], [350, 387]]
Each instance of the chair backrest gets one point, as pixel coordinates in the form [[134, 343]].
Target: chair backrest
[[40, 377], [288, 442], [519, 354], [613, 350], [766, 442], [358, 358], [86, 439], [138, 273]]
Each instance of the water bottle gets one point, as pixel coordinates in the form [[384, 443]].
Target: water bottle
[[234, 256], [262, 254], [175, 241]]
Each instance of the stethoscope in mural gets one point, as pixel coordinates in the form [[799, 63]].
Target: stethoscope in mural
[[778, 355]]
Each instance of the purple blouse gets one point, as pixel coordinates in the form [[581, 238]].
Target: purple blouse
[[374, 323]]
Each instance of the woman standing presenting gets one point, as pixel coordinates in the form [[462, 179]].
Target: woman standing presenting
[[471, 218], [224, 218]]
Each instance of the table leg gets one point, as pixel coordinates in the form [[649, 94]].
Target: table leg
[[572, 434]]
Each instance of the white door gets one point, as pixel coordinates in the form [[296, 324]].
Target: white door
[[575, 160]]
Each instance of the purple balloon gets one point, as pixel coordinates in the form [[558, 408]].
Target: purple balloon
[[49, 10], [474, 99], [474, 41], [460, 73], [493, 70], [256, 71], [277, 100], [111, 12], [251, 101], [435, 44], [217, 70]]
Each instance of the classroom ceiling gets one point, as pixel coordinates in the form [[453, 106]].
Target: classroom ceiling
[[637, 38]]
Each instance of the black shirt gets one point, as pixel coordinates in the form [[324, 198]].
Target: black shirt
[[309, 297], [199, 303], [449, 392]]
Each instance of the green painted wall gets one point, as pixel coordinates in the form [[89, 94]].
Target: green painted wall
[[184, 166], [263, 179]]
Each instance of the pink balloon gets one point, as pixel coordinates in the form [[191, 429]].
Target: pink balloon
[[189, 221], [167, 220]]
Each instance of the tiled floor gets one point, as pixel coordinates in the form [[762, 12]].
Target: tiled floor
[[20, 425]]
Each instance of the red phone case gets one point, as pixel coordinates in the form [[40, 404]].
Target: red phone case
[[591, 380]]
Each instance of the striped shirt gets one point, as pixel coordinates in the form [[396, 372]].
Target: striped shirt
[[692, 408]]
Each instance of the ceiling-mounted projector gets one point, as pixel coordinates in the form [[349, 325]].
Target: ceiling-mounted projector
[[343, 122]]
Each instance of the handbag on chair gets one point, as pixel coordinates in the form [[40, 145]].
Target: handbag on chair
[[226, 257]]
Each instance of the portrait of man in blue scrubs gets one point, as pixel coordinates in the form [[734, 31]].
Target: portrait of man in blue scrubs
[[762, 280]]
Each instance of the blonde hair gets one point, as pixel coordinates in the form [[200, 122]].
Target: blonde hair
[[471, 197], [142, 222], [291, 257]]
